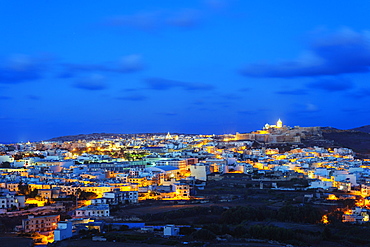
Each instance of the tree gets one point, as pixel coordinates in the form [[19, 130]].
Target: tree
[[33, 193], [23, 188], [203, 234], [5, 164], [335, 217], [83, 195]]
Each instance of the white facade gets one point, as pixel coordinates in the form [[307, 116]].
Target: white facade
[[63, 231], [8, 201], [6, 158], [199, 172], [171, 230], [321, 184], [101, 210]]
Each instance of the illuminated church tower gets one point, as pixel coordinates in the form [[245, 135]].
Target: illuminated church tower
[[168, 136], [279, 124]]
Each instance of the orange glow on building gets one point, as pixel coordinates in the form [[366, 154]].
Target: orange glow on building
[[40, 203], [40, 239], [332, 197], [324, 219]]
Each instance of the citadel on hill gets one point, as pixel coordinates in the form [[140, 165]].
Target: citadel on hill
[[279, 133]]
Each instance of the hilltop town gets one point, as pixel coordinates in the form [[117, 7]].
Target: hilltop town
[[57, 190]]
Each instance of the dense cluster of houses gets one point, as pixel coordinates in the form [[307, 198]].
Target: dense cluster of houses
[[170, 167]]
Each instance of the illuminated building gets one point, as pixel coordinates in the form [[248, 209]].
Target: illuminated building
[[8, 201], [101, 210], [279, 124], [179, 163], [63, 231], [117, 197], [40, 224]]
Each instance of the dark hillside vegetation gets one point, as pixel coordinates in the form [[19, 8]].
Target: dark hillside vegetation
[[358, 141]]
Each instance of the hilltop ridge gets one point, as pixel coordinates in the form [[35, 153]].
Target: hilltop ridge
[[365, 128], [357, 139]]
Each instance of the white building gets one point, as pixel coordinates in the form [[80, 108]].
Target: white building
[[101, 210], [199, 172], [117, 197], [6, 158], [63, 231], [8, 201], [171, 230]]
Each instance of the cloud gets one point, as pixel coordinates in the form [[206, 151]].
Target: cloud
[[164, 84], [253, 112], [131, 89], [127, 64], [93, 82], [360, 93], [130, 63], [217, 4], [355, 110], [311, 107], [305, 108], [244, 89], [332, 85], [21, 68], [156, 20], [199, 102], [33, 97], [230, 96], [168, 114], [293, 92], [134, 97], [343, 52], [246, 112], [5, 97]]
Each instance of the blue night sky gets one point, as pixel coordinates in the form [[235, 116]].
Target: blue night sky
[[211, 67]]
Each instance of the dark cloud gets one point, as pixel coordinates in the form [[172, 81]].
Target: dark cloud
[[93, 82], [21, 68], [127, 64], [230, 96], [340, 53], [293, 92], [133, 97], [245, 89], [360, 93], [332, 85], [33, 97], [354, 110], [245, 112], [3, 118], [156, 20], [131, 89], [253, 112], [199, 102], [164, 84], [217, 4], [169, 114]]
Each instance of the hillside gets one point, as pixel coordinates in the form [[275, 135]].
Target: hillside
[[101, 136], [94, 136], [358, 141], [365, 129]]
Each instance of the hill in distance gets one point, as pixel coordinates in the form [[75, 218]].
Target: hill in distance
[[357, 139], [365, 129], [100, 136]]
